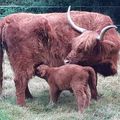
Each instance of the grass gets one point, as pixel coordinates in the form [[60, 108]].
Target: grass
[[106, 108]]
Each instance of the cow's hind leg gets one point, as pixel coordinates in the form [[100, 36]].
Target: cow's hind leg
[[1, 70]]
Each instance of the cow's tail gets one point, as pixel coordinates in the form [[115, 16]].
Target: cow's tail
[[1, 57], [92, 82]]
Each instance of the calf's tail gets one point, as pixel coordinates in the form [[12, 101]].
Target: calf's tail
[[92, 81]]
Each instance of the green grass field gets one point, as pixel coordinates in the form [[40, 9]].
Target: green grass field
[[106, 108]]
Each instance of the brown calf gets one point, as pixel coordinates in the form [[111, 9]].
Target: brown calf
[[70, 77]]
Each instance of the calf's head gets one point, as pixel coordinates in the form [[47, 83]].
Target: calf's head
[[42, 70]]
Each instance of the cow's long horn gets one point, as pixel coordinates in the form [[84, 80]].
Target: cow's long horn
[[79, 29], [104, 30]]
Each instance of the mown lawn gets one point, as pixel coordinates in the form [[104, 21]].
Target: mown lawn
[[106, 108]]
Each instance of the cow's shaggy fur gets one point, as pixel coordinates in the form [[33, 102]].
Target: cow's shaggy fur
[[70, 77], [34, 39]]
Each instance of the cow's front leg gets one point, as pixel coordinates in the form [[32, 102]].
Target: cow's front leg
[[20, 85]]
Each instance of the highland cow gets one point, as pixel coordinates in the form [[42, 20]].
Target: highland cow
[[34, 39], [70, 77]]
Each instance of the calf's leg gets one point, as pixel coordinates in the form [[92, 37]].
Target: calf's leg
[[54, 94], [88, 97], [81, 100], [80, 95]]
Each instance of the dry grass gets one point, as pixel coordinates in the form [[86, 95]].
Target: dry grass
[[107, 108]]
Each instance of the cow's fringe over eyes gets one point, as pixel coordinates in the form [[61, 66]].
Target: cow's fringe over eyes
[[86, 41]]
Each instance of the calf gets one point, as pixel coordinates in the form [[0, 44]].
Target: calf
[[70, 77]]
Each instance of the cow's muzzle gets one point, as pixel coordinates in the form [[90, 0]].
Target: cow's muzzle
[[66, 61]]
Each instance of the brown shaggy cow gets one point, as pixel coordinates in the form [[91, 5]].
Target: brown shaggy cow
[[33, 39], [70, 77]]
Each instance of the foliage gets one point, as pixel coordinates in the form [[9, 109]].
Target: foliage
[[61, 2]]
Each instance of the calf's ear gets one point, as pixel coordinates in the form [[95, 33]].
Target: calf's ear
[[42, 73]]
